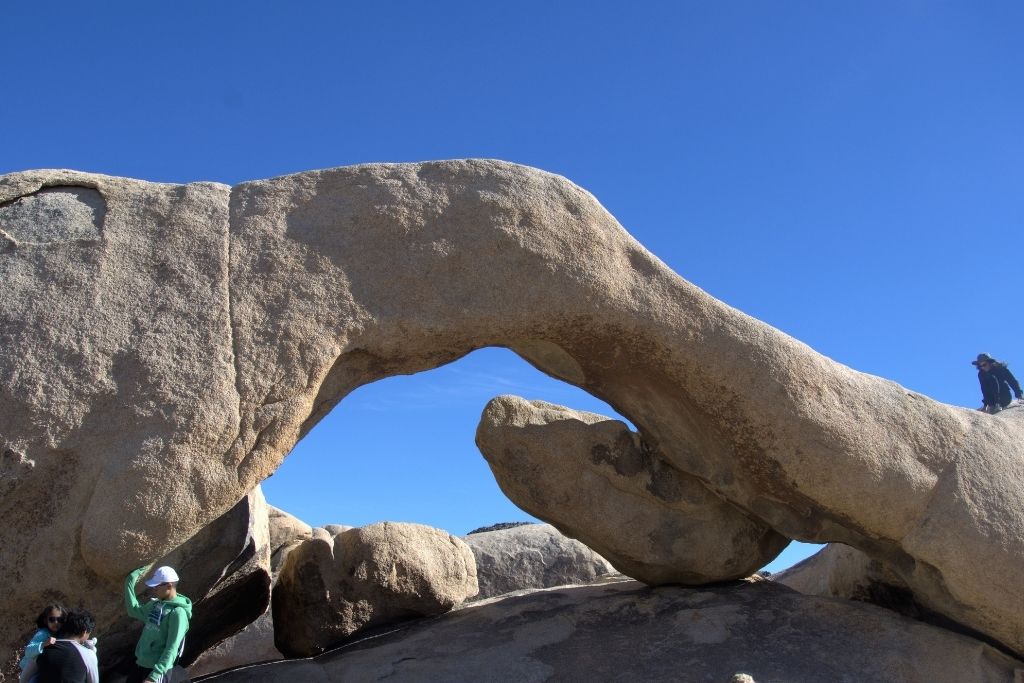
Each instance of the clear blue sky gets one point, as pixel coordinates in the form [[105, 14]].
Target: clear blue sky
[[850, 173]]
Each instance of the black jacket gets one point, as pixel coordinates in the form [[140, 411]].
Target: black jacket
[[996, 384], [67, 662]]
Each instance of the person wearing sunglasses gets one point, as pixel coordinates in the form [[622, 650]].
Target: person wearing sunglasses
[[72, 658], [996, 381], [48, 624]]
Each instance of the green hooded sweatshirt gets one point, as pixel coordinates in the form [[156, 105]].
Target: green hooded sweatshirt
[[166, 622]]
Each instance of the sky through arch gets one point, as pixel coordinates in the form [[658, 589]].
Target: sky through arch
[[402, 448]]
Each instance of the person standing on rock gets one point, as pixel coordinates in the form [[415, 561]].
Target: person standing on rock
[[996, 380], [166, 617], [70, 659]]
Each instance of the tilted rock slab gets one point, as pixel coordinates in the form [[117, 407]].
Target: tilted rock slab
[[332, 587], [531, 556], [628, 632], [252, 645], [164, 346], [224, 570], [255, 642], [594, 479]]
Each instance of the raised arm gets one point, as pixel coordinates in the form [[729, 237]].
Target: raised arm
[[131, 603]]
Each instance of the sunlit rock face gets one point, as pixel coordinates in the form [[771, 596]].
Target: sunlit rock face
[[285, 530], [332, 587], [596, 480], [164, 346]]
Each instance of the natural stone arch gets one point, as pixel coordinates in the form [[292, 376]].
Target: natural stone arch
[[242, 314]]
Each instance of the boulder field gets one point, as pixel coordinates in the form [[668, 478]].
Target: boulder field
[[321, 604], [163, 347]]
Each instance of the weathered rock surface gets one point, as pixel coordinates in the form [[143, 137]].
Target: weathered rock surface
[[531, 556], [115, 370], [597, 481], [202, 330], [842, 572], [330, 588], [252, 645], [255, 642], [224, 569], [628, 632]]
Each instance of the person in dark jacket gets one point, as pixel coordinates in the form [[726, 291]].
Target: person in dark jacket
[[996, 381], [69, 660]]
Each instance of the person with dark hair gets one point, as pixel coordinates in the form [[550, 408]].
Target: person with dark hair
[[166, 617], [70, 660], [47, 624], [996, 381]]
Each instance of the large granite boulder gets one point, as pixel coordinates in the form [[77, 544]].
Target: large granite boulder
[[201, 330], [331, 587], [508, 559], [115, 363], [531, 556], [628, 632], [597, 481]]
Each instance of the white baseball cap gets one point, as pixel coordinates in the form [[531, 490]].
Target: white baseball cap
[[162, 575]]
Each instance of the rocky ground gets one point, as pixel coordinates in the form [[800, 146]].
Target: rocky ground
[[626, 631]]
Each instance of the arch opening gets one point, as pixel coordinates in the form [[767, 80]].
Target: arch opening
[[401, 448]]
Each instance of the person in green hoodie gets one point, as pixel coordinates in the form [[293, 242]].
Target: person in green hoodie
[[166, 619]]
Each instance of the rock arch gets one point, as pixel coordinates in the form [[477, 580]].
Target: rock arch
[[162, 371]]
